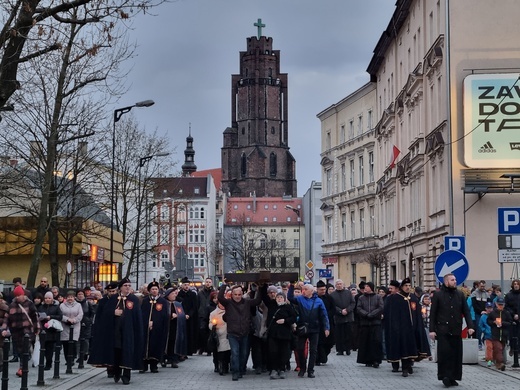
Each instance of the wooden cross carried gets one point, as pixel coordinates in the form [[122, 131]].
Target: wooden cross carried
[[262, 277]]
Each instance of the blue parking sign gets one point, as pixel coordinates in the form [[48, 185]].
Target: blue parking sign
[[452, 262]]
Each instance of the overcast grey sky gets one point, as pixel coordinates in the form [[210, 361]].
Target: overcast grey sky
[[188, 52]]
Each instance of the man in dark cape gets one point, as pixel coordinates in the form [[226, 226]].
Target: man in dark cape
[[118, 334], [154, 310], [325, 344], [176, 346], [404, 333], [448, 308], [188, 299]]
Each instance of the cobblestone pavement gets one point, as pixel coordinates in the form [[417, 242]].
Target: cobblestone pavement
[[339, 372]]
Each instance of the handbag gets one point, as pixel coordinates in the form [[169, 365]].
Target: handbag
[[303, 327], [213, 341], [54, 324]]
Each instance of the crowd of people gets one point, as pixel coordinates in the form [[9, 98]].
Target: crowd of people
[[162, 325]]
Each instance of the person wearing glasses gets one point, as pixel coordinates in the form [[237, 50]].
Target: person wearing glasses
[[118, 334]]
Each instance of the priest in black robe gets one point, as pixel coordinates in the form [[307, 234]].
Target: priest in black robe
[[118, 333], [405, 337], [154, 310], [189, 301]]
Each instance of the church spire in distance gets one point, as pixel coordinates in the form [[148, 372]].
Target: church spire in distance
[[189, 156]]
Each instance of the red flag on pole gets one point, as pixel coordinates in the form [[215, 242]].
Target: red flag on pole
[[395, 152]]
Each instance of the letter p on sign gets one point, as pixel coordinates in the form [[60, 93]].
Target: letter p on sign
[[508, 220]]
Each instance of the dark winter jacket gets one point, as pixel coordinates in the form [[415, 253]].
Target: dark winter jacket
[[311, 311], [278, 312], [343, 299], [238, 314], [499, 333], [447, 308], [369, 309], [53, 311], [513, 302]]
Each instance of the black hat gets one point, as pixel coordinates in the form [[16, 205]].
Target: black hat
[[394, 283], [153, 284], [185, 280], [362, 285], [371, 285], [406, 281], [111, 286], [329, 286], [123, 281], [320, 283]]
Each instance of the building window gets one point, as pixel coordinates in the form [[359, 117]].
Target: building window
[[361, 171], [273, 243], [251, 243], [354, 273], [370, 167], [164, 256], [362, 223], [243, 165], [352, 225], [202, 213], [262, 243], [369, 120], [344, 227], [283, 243], [327, 141], [296, 243], [352, 174], [165, 212], [328, 222], [328, 174], [351, 130], [272, 165], [372, 217], [360, 124], [343, 177], [342, 134], [164, 235]]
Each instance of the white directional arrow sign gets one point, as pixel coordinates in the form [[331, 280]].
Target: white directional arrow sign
[[449, 269], [452, 262]]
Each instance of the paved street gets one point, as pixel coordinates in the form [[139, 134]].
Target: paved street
[[197, 373]]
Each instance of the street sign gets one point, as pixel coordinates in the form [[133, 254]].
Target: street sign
[[309, 264], [325, 273], [453, 262], [509, 256], [455, 243], [509, 220], [309, 274]]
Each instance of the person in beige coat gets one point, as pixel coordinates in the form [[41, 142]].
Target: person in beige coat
[[72, 316], [224, 349]]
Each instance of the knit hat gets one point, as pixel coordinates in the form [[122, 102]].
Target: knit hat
[[271, 289], [320, 283], [48, 294], [18, 291], [371, 285]]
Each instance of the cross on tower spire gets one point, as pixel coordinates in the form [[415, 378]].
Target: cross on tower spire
[[259, 24]]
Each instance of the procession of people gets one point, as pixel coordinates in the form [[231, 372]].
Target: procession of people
[[162, 325]]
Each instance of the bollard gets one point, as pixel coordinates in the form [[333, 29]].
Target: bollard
[[57, 353], [70, 350], [26, 355], [81, 352], [41, 363], [514, 345], [5, 363]]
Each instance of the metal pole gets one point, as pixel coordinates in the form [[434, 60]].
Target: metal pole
[[57, 353], [5, 363], [70, 350], [25, 361], [41, 363], [112, 195]]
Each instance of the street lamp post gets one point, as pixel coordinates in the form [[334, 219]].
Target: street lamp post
[[297, 212], [142, 194], [118, 113]]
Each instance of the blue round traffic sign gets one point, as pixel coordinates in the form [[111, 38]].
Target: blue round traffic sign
[[452, 262]]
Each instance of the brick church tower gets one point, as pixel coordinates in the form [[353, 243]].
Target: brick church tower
[[255, 155]]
